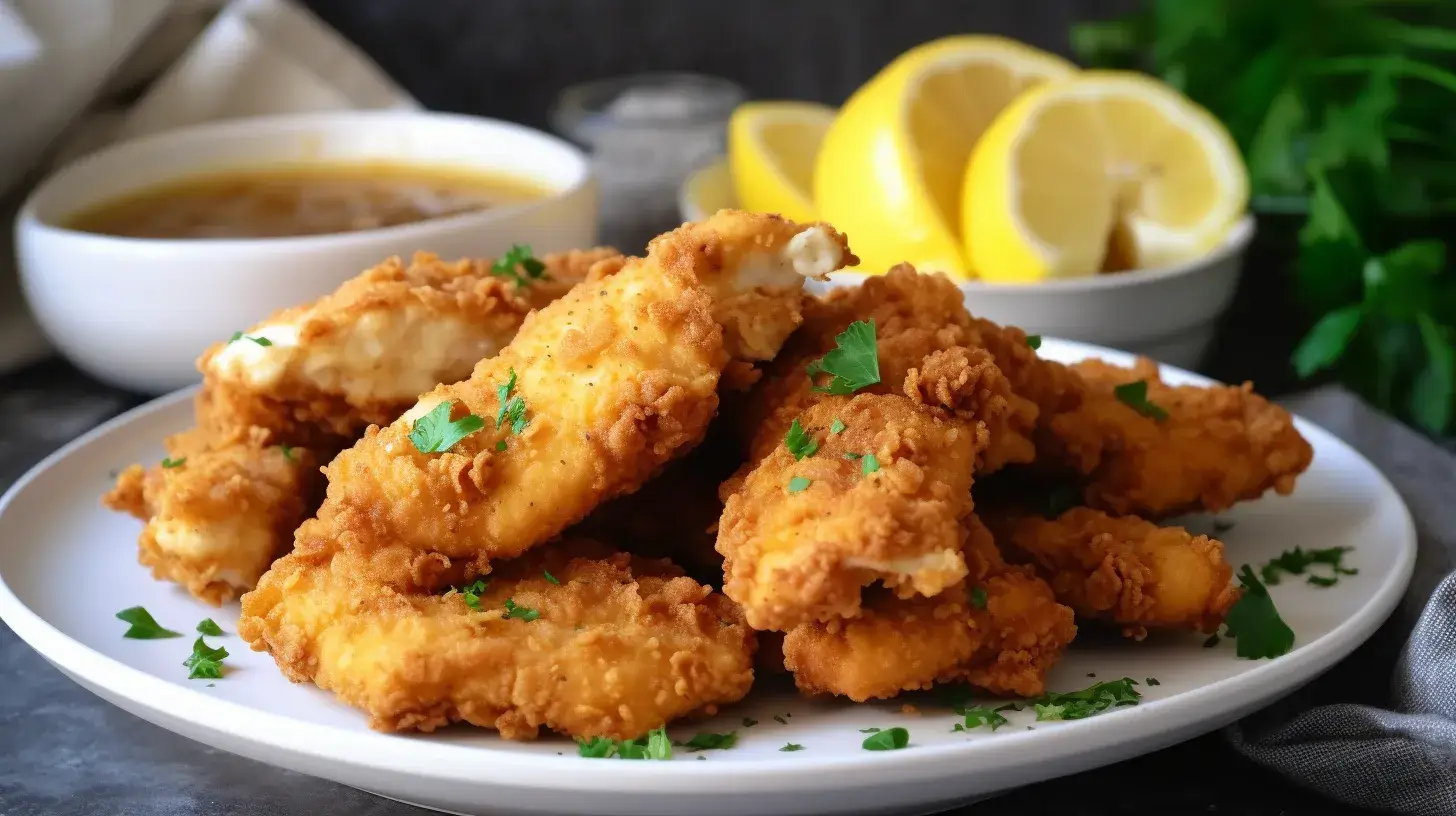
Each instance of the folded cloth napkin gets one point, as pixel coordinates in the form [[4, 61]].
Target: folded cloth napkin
[[1358, 734]]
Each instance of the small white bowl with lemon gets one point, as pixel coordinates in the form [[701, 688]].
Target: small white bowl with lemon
[[1096, 206]]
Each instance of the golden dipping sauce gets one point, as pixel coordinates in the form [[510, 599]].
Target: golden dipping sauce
[[275, 202]]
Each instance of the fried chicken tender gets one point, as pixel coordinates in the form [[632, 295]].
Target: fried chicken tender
[[1217, 445], [1000, 630], [321, 373], [882, 500], [218, 515], [1125, 570], [611, 382], [915, 315], [615, 646]]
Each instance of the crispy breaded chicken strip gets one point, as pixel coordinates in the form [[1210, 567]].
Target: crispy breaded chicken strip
[[216, 517], [881, 500], [609, 383], [915, 315], [1217, 445], [1125, 570], [612, 647], [1000, 630], [323, 372]]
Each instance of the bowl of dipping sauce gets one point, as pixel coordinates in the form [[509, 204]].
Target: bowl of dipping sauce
[[135, 258]]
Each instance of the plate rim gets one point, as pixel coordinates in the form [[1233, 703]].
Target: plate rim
[[473, 765]]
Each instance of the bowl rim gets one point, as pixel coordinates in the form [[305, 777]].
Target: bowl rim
[[28, 219], [1233, 244]]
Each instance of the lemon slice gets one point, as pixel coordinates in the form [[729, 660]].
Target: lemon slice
[[890, 169], [1103, 171], [771, 150]]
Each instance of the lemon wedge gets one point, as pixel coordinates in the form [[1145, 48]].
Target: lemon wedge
[[771, 151], [891, 166], [1102, 171]]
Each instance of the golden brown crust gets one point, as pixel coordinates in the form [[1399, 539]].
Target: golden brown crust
[[1217, 446], [621, 645], [1126, 570]]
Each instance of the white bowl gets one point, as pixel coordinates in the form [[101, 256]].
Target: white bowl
[[137, 312], [1168, 314]]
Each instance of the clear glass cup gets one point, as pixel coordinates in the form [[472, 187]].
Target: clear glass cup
[[646, 133]]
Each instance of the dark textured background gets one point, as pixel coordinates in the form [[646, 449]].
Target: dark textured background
[[66, 752]]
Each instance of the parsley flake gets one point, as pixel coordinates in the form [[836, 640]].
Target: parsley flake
[[854, 457], [1095, 699], [1034, 340], [1211, 642], [262, 341], [837, 426], [780, 720], [1254, 623], [512, 408], [853, 363], [870, 730], [798, 483], [205, 662], [869, 464], [472, 591], [500, 445], [287, 452], [978, 597], [1297, 560], [596, 747], [520, 266], [550, 578], [799, 442], [748, 723], [1153, 681], [436, 432], [892, 739], [143, 625], [709, 742], [652, 745], [792, 746], [209, 627], [983, 715], [170, 463], [524, 613], [1135, 396]]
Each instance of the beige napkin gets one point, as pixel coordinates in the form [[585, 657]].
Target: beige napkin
[[254, 57]]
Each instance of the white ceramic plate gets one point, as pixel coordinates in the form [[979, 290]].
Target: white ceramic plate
[[67, 566]]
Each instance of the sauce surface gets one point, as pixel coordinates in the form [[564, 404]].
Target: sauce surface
[[274, 202]]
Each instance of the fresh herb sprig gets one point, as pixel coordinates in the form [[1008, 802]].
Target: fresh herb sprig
[[1095, 699], [436, 432], [205, 662], [853, 363], [1297, 561], [520, 266], [143, 626], [1254, 623]]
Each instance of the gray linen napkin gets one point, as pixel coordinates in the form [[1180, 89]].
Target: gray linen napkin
[[1358, 734]]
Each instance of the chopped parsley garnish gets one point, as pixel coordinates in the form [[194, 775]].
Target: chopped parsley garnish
[[798, 483], [1211, 642], [519, 265], [1062, 499], [170, 463], [709, 742], [869, 464], [500, 444], [1255, 624], [978, 597], [854, 457], [982, 715], [1033, 340], [524, 613], [1221, 526], [891, 739], [472, 591], [1135, 396], [837, 426], [287, 452], [652, 745], [1153, 681], [550, 578], [853, 363], [870, 730], [799, 442], [792, 746], [1297, 560], [747, 723], [512, 408], [209, 627], [1095, 699], [436, 432], [205, 662], [780, 720], [262, 341], [143, 625]]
